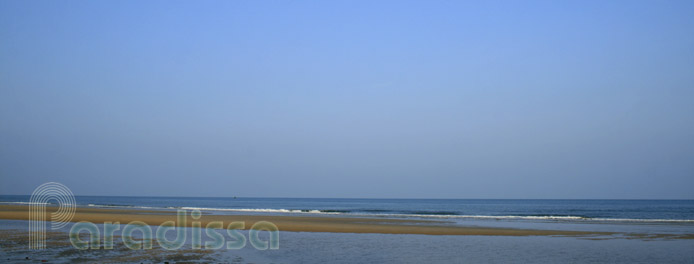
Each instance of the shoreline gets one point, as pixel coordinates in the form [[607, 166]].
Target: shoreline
[[330, 224]]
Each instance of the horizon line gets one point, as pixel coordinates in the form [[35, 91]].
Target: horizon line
[[369, 198]]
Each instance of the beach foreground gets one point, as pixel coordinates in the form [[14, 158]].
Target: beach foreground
[[292, 223], [313, 223], [311, 238]]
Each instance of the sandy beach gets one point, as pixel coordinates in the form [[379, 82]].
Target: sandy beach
[[296, 223], [311, 238]]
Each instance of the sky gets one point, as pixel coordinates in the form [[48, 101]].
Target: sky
[[353, 99]]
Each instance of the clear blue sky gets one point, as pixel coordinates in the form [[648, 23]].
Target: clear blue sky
[[392, 99]]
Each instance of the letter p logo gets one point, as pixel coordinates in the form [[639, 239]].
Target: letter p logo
[[37, 211]]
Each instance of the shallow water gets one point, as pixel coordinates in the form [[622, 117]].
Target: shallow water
[[327, 247], [308, 247]]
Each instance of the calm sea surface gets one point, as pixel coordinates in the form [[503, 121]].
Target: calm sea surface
[[557, 210]]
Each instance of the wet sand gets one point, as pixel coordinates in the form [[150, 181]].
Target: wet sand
[[295, 223]]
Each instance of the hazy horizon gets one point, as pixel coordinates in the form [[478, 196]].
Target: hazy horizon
[[349, 99], [362, 198]]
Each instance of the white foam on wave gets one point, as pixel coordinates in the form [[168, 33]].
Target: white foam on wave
[[25, 203], [122, 206], [551, 218], [481, 217], [253, 210], [439, 216]]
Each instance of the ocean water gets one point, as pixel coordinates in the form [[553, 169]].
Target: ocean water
[[645, 211]]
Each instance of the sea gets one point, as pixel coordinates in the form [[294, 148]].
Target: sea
[[626, 216], [643, 211]]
